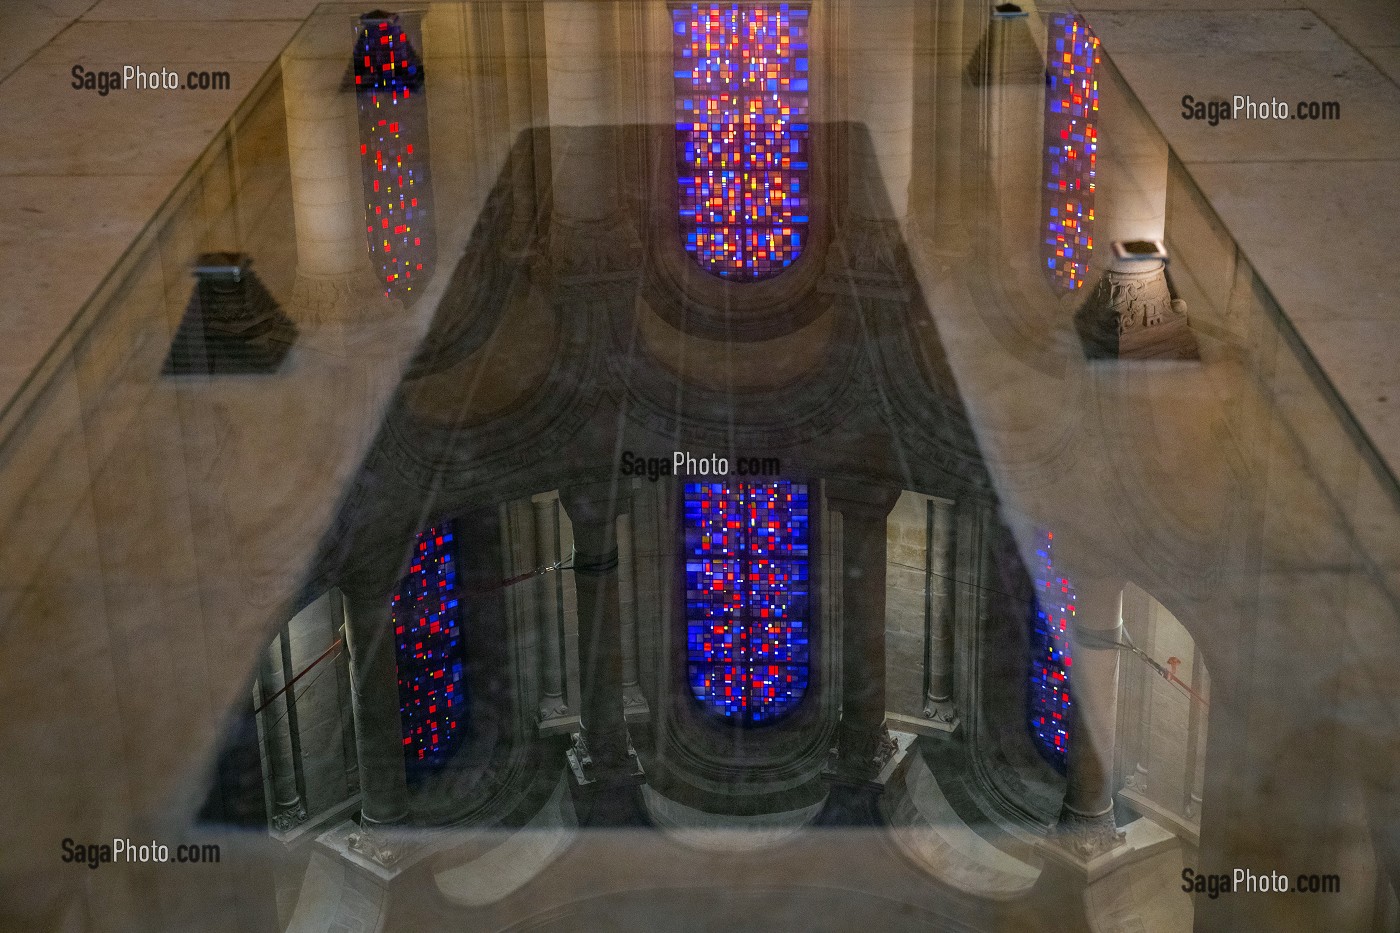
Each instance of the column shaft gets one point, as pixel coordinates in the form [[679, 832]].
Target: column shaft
[[1086, 820], [277, 739], [599, 625], [551, 650], [863, 743], [941, 606], [950, 235], [375, 694]]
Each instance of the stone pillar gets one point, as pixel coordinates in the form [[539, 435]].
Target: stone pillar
[[1086, 826], [518, 64], [552, 702], [863, 743], [375, 697], [602, 742], [288, 806], [950, 234], [1131, 314], [334, 281], [881, 76], [938, 575], [632, 699]]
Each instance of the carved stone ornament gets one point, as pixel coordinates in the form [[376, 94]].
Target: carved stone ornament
[[351, 298], [1087, 836], [374, 845], [290, 818], [588, 251], [1132, 315], [940, 710]]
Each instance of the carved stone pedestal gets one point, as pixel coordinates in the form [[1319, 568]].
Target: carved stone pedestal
[[1131, 315]]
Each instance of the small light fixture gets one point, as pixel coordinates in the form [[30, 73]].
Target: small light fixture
[[1139, 250], [1007, 11]]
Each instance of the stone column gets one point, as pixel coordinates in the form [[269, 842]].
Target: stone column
[[334, 281], [1086, 826], [552, 702], [518, 65], [288, 807], [602, 741], [950, 235], [375, 697], [587, 224], [939, 569], [1130, 314], [863, 743], [627, 577], [881, 76]]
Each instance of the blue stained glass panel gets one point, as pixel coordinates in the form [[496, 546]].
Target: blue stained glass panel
[[394, 155], [747, 597], [1050, 658], [1071, 150], [742, 136], [427, 621]]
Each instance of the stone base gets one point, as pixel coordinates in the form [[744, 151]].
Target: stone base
[[1184, 829], [1065, 848], [634, 705], [881, 768], [588, 772], [1131, 315], [382, 851], [316, 824], [559, 721], [924, 725]]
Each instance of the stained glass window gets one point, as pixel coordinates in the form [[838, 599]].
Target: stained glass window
[[747, 588], [427, 622], [1071, 149], [742, 135], [1052, 612], [393, 154]]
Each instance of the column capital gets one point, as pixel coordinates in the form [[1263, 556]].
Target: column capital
[[594, 503], [859, 499]]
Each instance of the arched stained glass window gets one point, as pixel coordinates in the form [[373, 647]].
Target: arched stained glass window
[[747, 597], [1053, 612], [394, 154], [1071, 149], [427, 622], [742, 135]]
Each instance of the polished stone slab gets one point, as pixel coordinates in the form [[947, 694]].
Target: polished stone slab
[[1363, 23], [1092, 6], [1387, 59], [105, 44], [1338, 288], [1369, 127], [167, 10], [1231, 31], [93, 135], [26, 31], [49, 263]]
